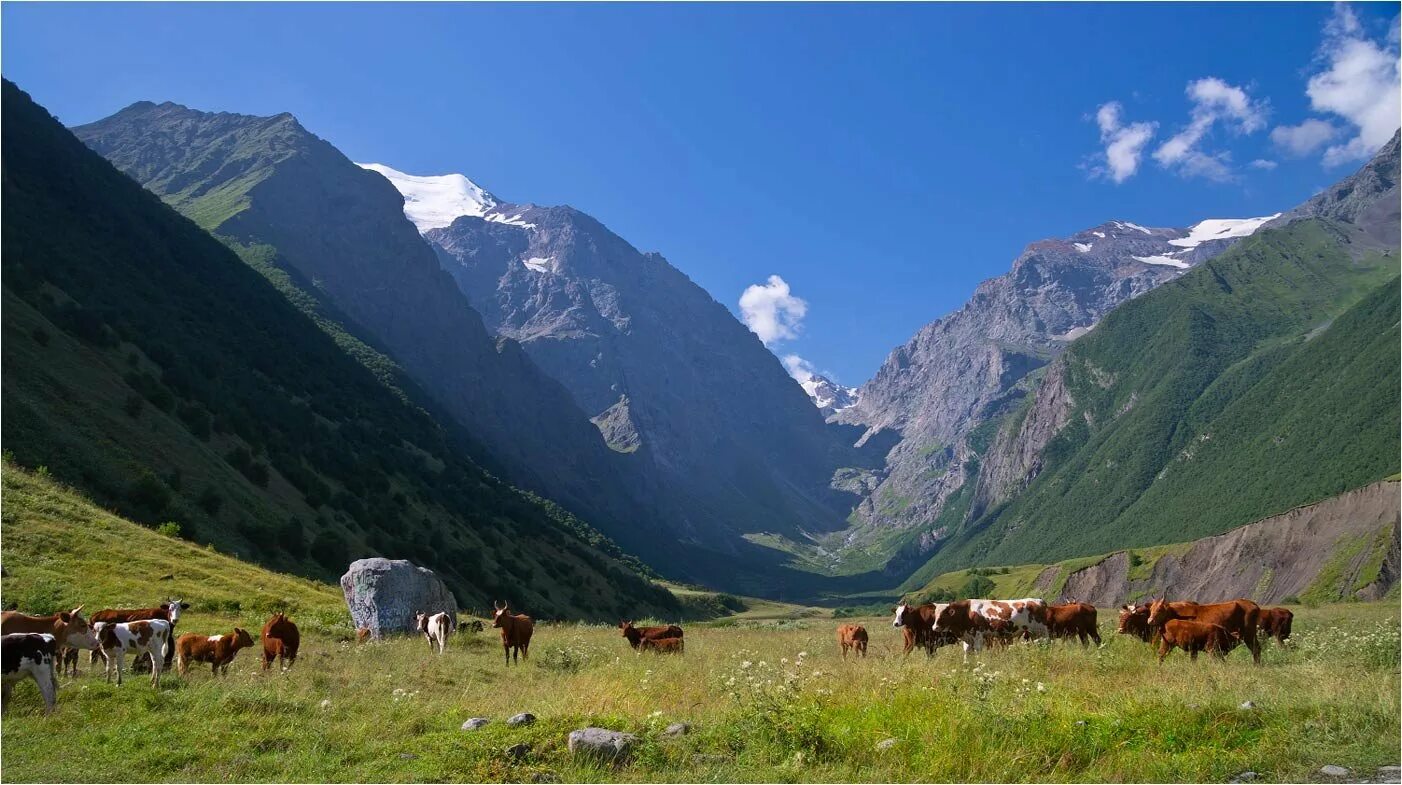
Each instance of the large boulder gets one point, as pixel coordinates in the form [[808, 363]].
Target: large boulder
[[384, 594]]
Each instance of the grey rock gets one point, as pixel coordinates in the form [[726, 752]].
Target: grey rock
[[408, 756], [1247, 706], [602, 744], [1333, 771], [1246, 776], [383, 595], [524, 718], [545, 776], [885, 744], [326, 703], [677, 729], [475, 723], [1389, 774], [518, 751], [1081, 723]]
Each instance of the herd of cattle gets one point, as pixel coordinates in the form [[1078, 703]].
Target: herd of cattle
[[38, 647]]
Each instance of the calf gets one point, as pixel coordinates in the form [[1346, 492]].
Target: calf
[[166, 611], [515, 631], [1195, 636], [435, 628], [217, 650], [280, 642], [29, 655], [1275, 623], [636, 635], [138, 637], [852, 637], [1238, 617], [917, 623], [1073, 620], [663, 645]]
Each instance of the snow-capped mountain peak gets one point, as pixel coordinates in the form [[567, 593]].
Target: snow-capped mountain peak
[[1220, 229], [435, 201], [829, 396]]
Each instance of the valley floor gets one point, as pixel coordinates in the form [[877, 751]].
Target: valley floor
[[768, 701]]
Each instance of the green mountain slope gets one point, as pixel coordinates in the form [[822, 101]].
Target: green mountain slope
[[146, 365], [1264, 379]]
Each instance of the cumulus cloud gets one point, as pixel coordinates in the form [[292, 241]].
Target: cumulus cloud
[[1303, 139], [1214, 102], [1359, 83], [1262, 163], [772, 311], [1124, 144], [800, 369]]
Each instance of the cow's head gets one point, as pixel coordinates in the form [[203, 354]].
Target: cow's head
[[173, 609], [501, 612], [421, 621], [900, 612], [1160, 613], [242, 638], [76, 631]]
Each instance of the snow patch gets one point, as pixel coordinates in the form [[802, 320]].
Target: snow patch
[[1136, 227], [435, 201], [1221, 229], [1101, 235], [514, 220], [1082, 247], [1167, 261], [540, 264]]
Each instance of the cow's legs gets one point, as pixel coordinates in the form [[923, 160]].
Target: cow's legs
[[156, 668], [120, 658], [506, 649], [1164, 649], [48, 687], [1193, 654]]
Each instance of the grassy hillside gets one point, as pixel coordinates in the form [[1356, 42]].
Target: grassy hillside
[[146, 365], [1264, 379]]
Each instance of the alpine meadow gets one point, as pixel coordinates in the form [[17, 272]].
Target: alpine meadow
[[321, 461]]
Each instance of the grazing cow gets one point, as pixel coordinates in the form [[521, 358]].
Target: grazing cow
[[973, 621], [663, 645], [139, 637], [1238, 617], [217, 650], [280, 642], [1134, 620], [166, 611], [29, 655], [1275, 623], [852, 637], [917, 623], [435, 628], [1195, 636], [636, 635], [1073, 620], [515, 631]]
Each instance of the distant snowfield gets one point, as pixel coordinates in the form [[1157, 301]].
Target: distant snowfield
[[1221, 229], [1167, 261], [435, 201]]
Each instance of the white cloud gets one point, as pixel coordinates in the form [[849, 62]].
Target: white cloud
[[772, 311], [1124, 144], [800, 369], [1261, 163], [1214, 101], [1303, 139], [1360, 84]]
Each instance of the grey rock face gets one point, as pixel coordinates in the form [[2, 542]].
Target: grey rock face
[[602, 744], [518, 751], [384, 594], [1367, 198], [1334, 771]]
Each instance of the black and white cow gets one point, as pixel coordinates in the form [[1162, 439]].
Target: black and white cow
[[29, 655]]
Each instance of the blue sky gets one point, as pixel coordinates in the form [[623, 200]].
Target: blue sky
[[880, 159]]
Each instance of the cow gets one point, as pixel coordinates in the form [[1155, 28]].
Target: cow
[[663, 645], [167, 611], [29, 655], [217, 650], [515, 631], [852, 637], [1134, 620], [68, 628], [280, 642], [1073, 620], [636, 635], [435, 628], [973, 621], [1238, 617], [1195, 636], [917, 623], [1275, 623], [148, 636]]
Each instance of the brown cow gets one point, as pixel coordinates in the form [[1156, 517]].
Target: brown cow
[[70, 630], [1237, 617], [1195, 636], [280, 642], [217, 650], [1073, 620], [515, 632], [1134, 620], [636, 635], [1275, 623], [663, 645], [852, 637], [917, 623]]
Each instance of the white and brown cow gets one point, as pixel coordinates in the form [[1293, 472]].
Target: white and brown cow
[[118, 639], [974, 622], [435, 628], [29, 655]]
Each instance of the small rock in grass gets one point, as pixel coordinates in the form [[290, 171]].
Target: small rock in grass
[[326, 704], [677, 729], [601, 743], [524, 718], [1247, 706], [1080, 723], [475, 723], [1246, 776], [408, 755], [885, 744], [1334, 771], [1389, 774], [545, 776], [167, 577], [518, 751]]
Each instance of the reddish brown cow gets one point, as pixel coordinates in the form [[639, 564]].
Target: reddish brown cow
[[1275, 623], [1134, 620], [1237, 617], [636, 635], [515, 632], [217, 650], [280, 642], [852, 637], [1195, 636], [70, 630], [663, 645], [1073, 620], [917, 623]]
